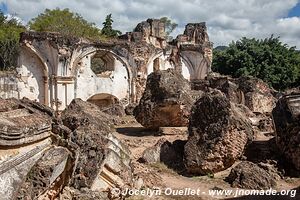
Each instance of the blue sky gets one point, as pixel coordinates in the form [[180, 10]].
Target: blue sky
[[295, 11], [227, 20], [3, 7]]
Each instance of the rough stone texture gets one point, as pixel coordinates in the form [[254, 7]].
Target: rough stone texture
[[248, 175], [14, 168], [48, 176], [258, 95], [286, 117], [47, 153], [262, 151], [103, 161], [218, 134], [166, 101], [22, 122], [115, 109], [171, 154], [129, 109], [250, 91]]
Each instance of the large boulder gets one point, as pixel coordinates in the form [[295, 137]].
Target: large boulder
[[248, 175], [286, 117], [166, 101], [250, 91], [218, 134], [257, 94], [103, 161]]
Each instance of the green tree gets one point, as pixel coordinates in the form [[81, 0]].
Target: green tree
[[268, 59], [107, 27], [10, 29], [65, 22], [169, 25]]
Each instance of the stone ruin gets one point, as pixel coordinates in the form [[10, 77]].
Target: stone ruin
[[55, 69], [75, 155], [226, 118], [43, 155]]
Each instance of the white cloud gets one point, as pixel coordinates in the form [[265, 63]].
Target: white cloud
[[227, 20]]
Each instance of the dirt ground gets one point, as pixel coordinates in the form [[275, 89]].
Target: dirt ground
[[160, 176]]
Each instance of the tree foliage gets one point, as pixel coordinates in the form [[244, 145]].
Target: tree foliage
[[169, 25], [268, 59], [10, 29], [65, 22], [107, 29]]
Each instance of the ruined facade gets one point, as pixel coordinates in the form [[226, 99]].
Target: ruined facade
[[54, 69]]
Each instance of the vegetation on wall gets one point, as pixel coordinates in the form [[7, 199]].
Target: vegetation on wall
[[10, 29], [107, 29], [170, 26], [65, 22], [268, 59]]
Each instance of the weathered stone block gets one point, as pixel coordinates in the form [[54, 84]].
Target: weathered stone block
[[218, 134]]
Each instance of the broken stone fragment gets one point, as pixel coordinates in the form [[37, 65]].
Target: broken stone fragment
[[218, 134], [248, 175], [166, 101], [257, 94], [49, 175], [286, 117], [22, 122], [171, 154], [249, 91], [129, 108], [103, 161], [15, 169]]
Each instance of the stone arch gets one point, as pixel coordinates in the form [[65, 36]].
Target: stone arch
[[197, 63], [42, 81], [187, 68], [92, 50], [103, 99], [156, 59], [119, 83]]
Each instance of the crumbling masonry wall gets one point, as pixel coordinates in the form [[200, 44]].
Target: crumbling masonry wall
[[54, 69]]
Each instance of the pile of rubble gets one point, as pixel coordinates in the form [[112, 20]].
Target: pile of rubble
[[226, 117], [74, 156]]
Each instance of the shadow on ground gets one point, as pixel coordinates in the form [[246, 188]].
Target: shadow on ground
[[137, 131]]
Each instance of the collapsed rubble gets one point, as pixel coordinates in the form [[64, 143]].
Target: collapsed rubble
[[218, 134], [248, 175], [171, 154], [166, 101], [286, 117], [45, 154], [249, 91]]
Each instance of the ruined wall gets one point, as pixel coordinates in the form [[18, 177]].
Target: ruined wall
[[55, 69], [116, 83], [8, 85]]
